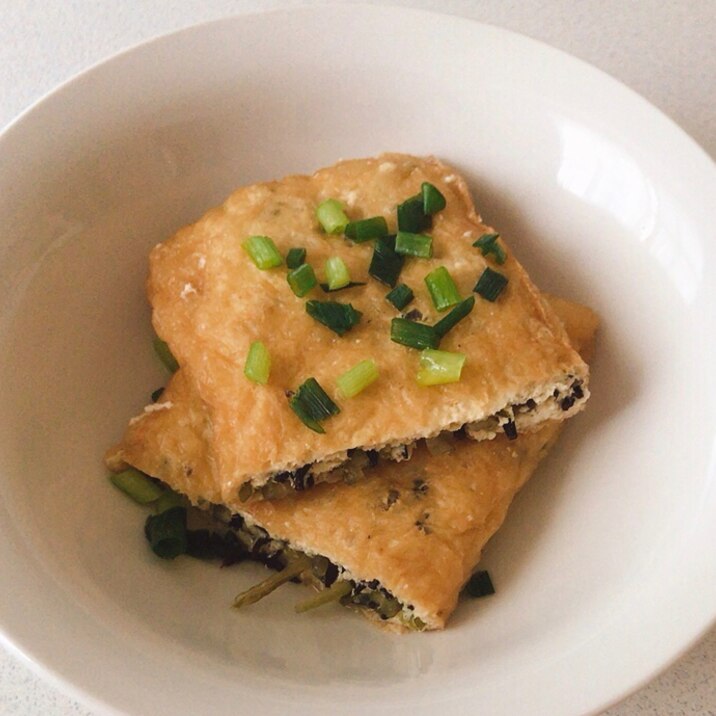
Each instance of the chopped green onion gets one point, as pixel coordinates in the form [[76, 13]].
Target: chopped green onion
[[412, 216], [440, 367], [442, 288], [367, 229], [487, 244], [165, 355], [412, 334], [166, 532], [140, 487], [351, 284], [157, 394], [339, 317], [386, 265], [400, 296], [168, 500], [295, 257], [263, 589], [450, 320], [480, 585], [331, 216], [337, 273], [302, 279], [490, 284], [433, 200], [258, 363], [357, 379], [263, 252], [334, 593], [419, 245], [312, 404]]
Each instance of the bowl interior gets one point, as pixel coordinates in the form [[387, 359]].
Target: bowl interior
[[608, 534]]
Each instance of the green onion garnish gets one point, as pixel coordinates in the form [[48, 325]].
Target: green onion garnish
[[166, 532], [331, 216], [337, 273], [312, 404], [442, 288], [412, 334], [339, 317], [412, 216], [386, 265], [400, 296], [165, 355], [301, 279], [487, 244], [490, 284], [367, 229], [263, 252], [433, 200], [168, 500], [357, 379], [295, 257], [350, 284], [439, 367], [419, 245], [450, 320], [480, 585], [258, 363], [140, 487]]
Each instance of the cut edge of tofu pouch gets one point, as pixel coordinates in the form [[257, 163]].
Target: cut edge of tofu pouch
[[406, 538], [209, 302]]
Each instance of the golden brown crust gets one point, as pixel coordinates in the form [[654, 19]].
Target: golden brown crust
[[210, 302], [419, 526]]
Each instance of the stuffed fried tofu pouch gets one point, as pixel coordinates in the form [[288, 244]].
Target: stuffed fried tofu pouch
[[398, 545], [210, 302]]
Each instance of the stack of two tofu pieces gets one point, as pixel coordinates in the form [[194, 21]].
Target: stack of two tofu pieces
[[396, 499]]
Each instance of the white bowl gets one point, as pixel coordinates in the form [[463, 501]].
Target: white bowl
[[605, 568]]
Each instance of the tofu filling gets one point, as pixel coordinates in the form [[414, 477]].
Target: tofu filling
[[350, 466], [253, 542]]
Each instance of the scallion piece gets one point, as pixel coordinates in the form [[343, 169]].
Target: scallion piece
[[433, 200], [302, 279], [439, 367], [487, 244], [334, 593], [165, 355], [412, 334], [331, 216], [263, 589], [336, 272], [350, 284], [367, 229], [312, 404], [490, 284], [258, 363], [166, 532], [400, 296], [339, 317], [480, 585], [295, 257], [386, 265], [140, 487], [358, 378], [450, 320], [418, 245], [442, 288], [412, 216], [263, 252], [168, 500]]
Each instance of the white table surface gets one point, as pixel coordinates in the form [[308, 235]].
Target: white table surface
[[665, 50]]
